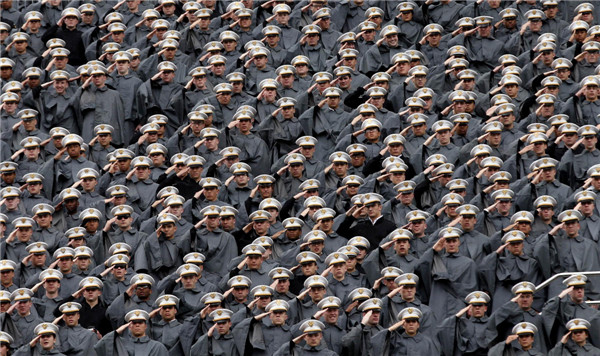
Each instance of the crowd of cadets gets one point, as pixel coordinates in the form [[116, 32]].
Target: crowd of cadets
[[356, 177]]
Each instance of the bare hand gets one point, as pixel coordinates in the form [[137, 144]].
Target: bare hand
[[439, 245], [365, 319], [463, 311], [565, 338], [565, 292]]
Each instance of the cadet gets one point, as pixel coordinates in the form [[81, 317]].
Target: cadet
[[461, 274], [524, 334], [405, 296], [274, 331], [462, 334], [579, 333], [43, 343], [358, 340], [45, 305], [221, 341], [73, 338], [135, 339], [167, 329]]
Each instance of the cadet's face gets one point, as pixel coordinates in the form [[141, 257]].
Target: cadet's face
[[340, 169], [34, 188], [83, 262], [61, 86], [408, 292], [89, 184], [313, 39], [452, 245], [331, 315], [309, 269], [195, 172], [263, 301], [546, 213], [91, 294], [478, 311], [516, 248], [65, 264], [242, 179], [119, 271], [278, 317], [229, 45], [254, 262], [47, 341], [339, 270], [212, 143], [547, 110], [142, 173], [119, 36], [218, 69], [317, 293], [375, 316], [451, 211], [212, 221], [71, 319], [223, 327], [402, 247], [282, 18], [24, 233], [210, 193], [99, 80], [168, 312], [468, 222], [572, 228], [124, 221], [157, 160], [589, 142], [240, 293], [548, 174], [326, 225], [283, 285], [143, 291], [511, 90], [6, 277], [228, 223], [592, 56], [317, 247], [168, 9], [313, 340], [301, 69], [587, 207], [392, 40], [526, 341], [577, 294], [591, 92], [38, 259], [525, 300], [169, 229], [419, 129], [579, 336], [23, 307], [504, 206], [74, 150], [138, 328], [395, 149], [261, 227], [296, 170], [189, 280]]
